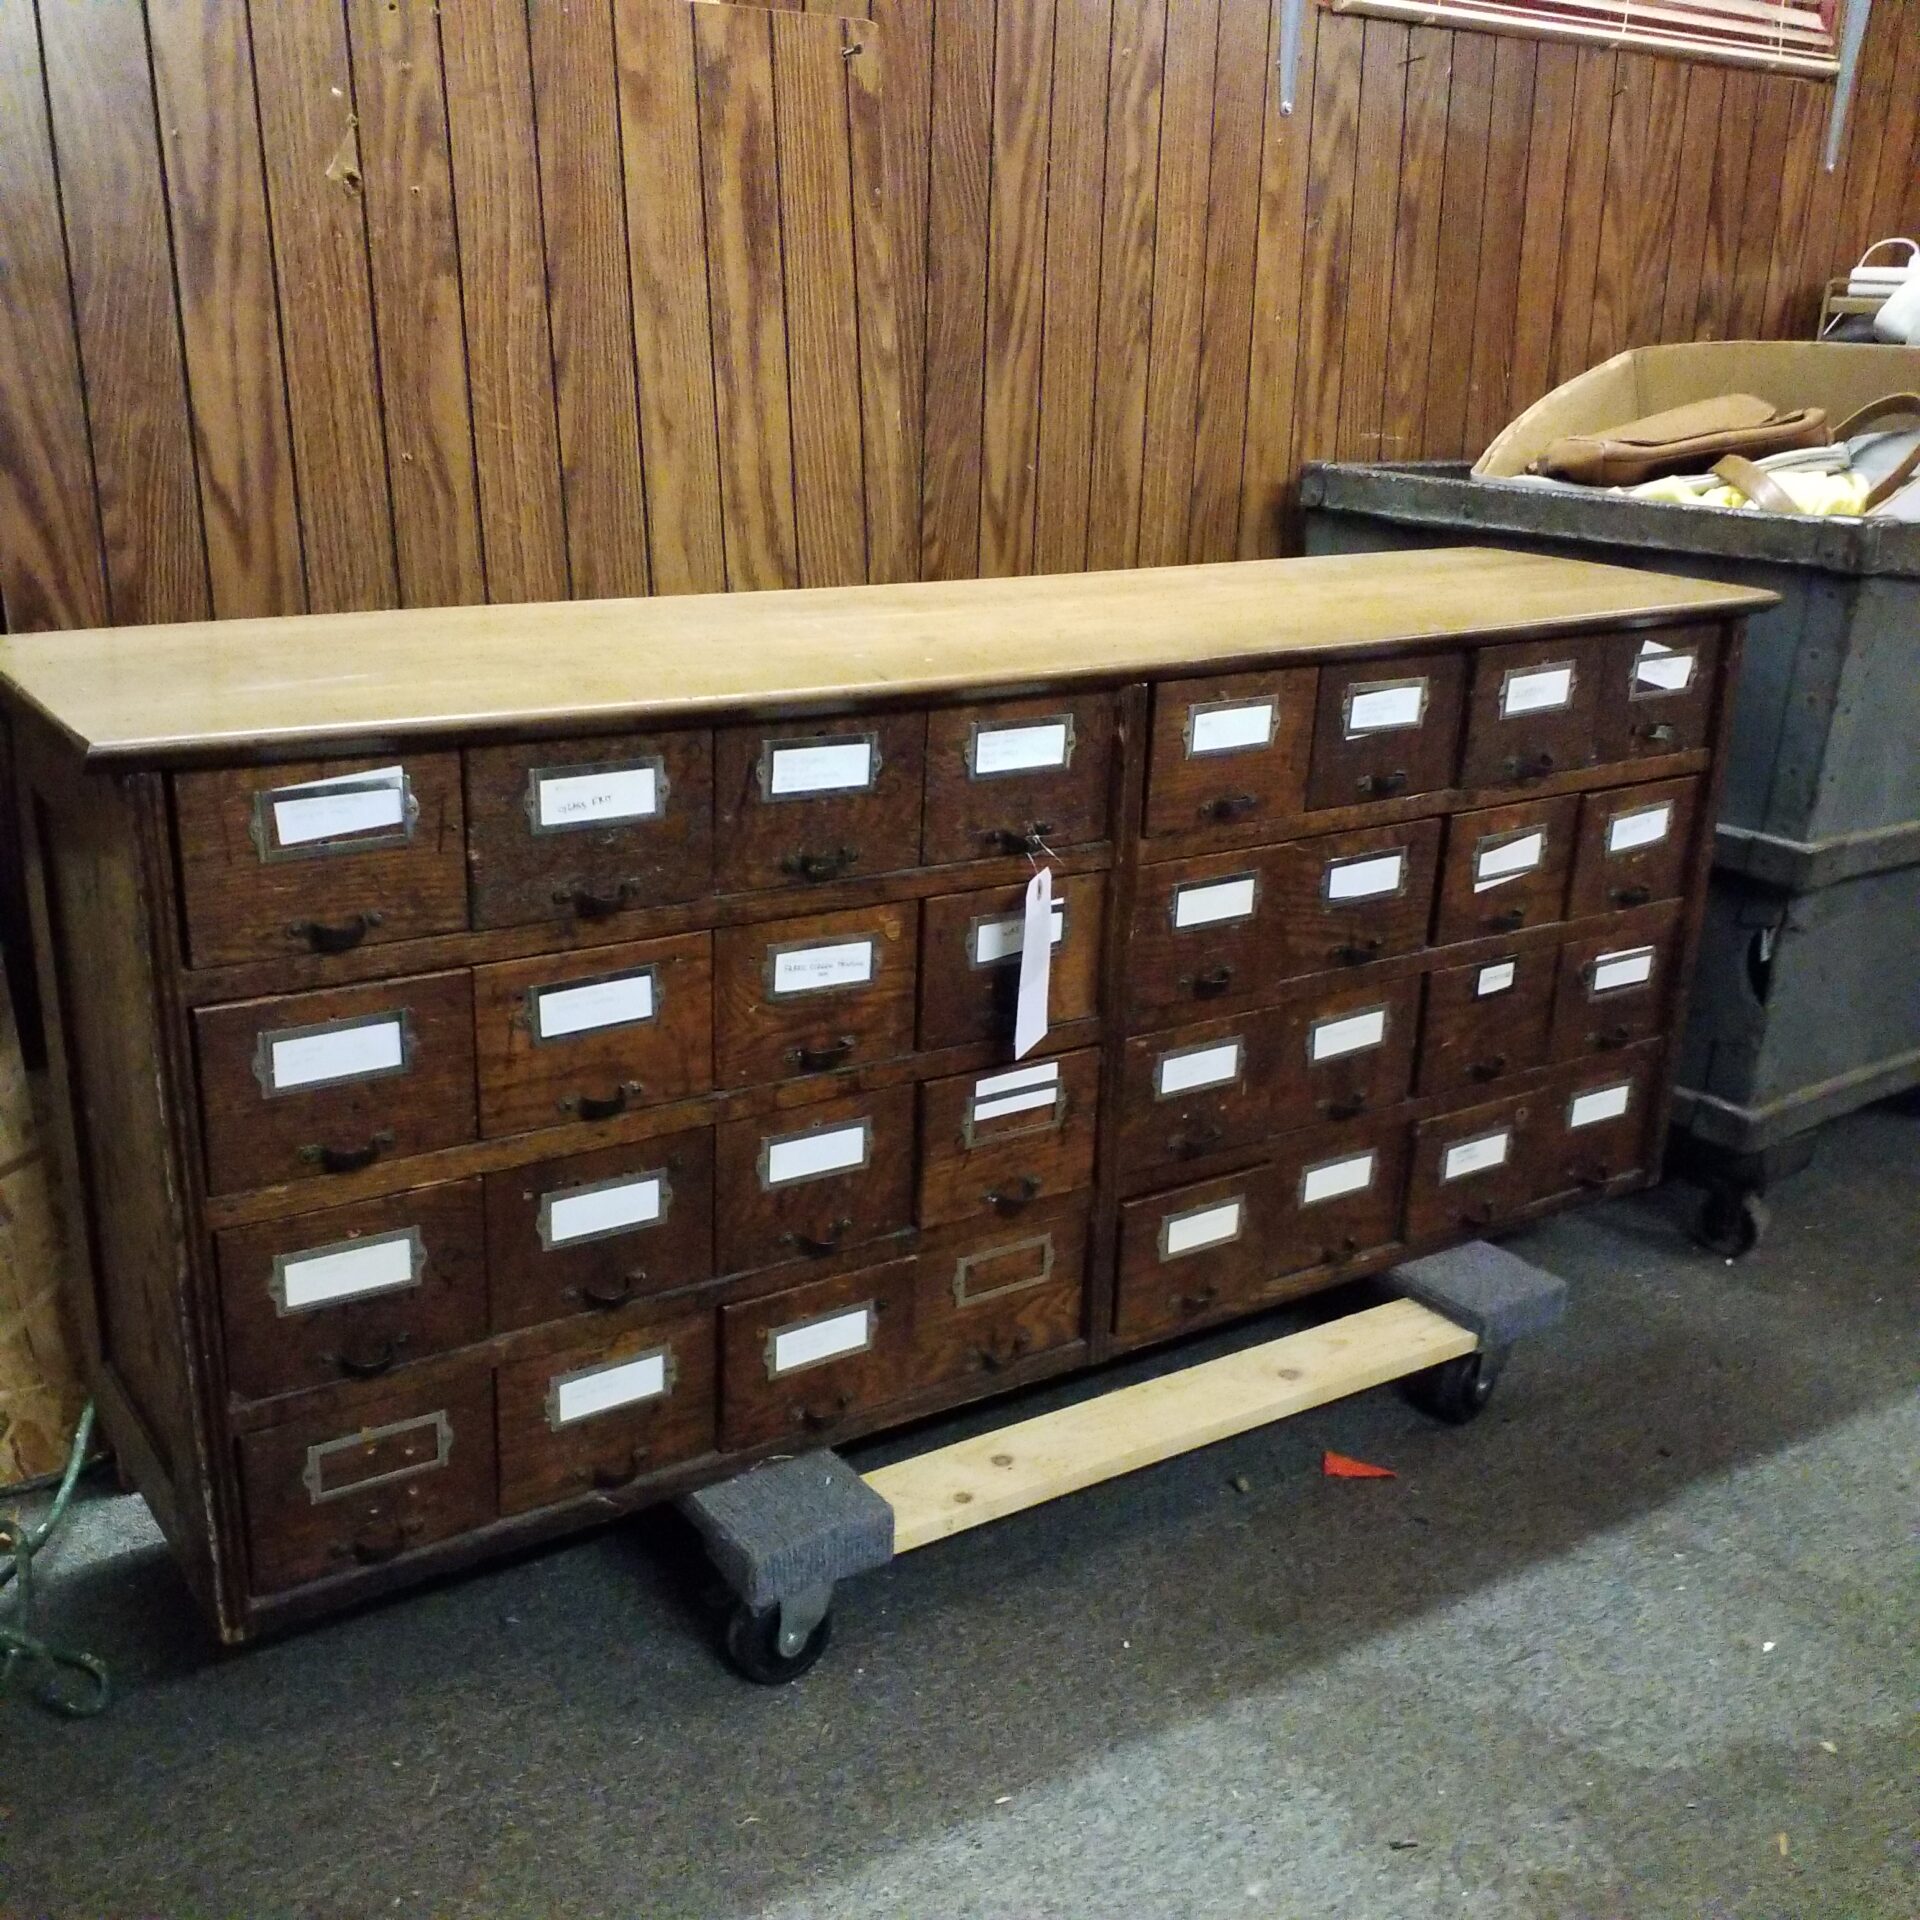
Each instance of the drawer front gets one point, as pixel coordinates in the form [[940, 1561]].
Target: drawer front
[[604, 1414], [970, 960], [1339, 1195], [1386, 728], [1010, 777], [310, 1084], [1346, 898], [1658, 696], [1187, 1253], [991, 1144], [596, 1231], [1505, 868], [1534, 711], [1598, 1124], [809, 995], [1634, 846], [1486, 1020], [1203, 930], [794, 1365], [1229, 750], [1345, 1051], [589, 1036], [817, 800], [806, 1183], [404, 1469], [350, 1293], [989, 1297], [578, 830], [1197, 1090], [319, 856], [1474, 1168], [1613, 988]]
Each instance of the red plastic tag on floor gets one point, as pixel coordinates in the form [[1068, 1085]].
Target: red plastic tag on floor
[[1340, 1466]]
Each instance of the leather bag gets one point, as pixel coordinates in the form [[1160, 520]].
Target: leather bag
[[1683, 439]]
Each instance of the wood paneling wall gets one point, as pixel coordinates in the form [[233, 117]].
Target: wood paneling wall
[[363, 303]]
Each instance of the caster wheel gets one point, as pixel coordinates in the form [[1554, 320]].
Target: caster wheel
[[755, 1653], [1730, 1221], [1456, 1390]]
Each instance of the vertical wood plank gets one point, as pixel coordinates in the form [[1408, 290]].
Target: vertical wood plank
[[503, 277], [1719, 255], [1693, 202], [51, 572], [1331, 160], [1867, 125], [1613, 289], [1462, 205], [1549, 145], [1788, 310], [577, 130], [1897, 195], [1490, 403], [1376, 199], [748, 290], [823, 335], [1593, 103], [100, 87], [1416, 247], [1660, 171], [420, 324], [1760, 207], [310, 141]]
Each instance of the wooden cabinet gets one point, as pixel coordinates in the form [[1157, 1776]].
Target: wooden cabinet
[[491, 1105]]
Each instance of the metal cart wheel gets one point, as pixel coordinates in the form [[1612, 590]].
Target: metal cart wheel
[[1731, 1220], [762, 1649], [1455, 1391]]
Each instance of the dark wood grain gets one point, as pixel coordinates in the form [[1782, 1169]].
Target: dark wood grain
[[1189, 790], [1504, 749], [1316, 929], [1488, 1019], [969, 813], [1589, 1016], [996, 1167], [1604, 879], [1337, 1197], [1329, 1069], [1163, 1285], [1355, 761], [1473, 902], [1370, 263], [988, 1298]]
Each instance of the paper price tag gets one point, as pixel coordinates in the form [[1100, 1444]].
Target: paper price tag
[[1036, 966]]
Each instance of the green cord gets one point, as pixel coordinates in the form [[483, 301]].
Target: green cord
[[19, 1645]]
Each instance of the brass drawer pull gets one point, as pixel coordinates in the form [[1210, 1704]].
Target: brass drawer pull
[[815, 1419], [1656, 733], [608, 1106], [1593, 1176], [1508, 922], [816, 1246], [376, 1552], [1011, 840], [835, 1053], [817, 867], [611, 1476], [1196, 1140], [1610, 1038], [606, 1299], [1631, 896], [1488, 1069], [356, 1368], [1198, 1302], [342, 936], [1354, 953], [1216, 980], [348, 1159], [991, 1362], [1231, 806], [1351, 1108], [596, 906], [1383, 786], [1015, 1196], [1332, 1256], [1529, 766]]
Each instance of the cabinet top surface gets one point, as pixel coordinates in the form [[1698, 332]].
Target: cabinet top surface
[[342, 680]]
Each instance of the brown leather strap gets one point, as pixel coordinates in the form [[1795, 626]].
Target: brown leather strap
[[1889, 406], [1894, 481], [1756, 483]]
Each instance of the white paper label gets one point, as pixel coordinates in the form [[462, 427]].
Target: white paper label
[[1204, 1227], [1537, 690], [1604, 1103], [1020, 749], [1230, 729], [347, 1272], [997, 940], [624, 1384], [1332, 1178], [1661, 669], [350, 1053], [812, 1156], [622, 1002], [1385, 709], [1036, 964], [592, 1213], [1214, 901], [1645, 827], [1025, 1090], [600, 798], [826, 1339], [839, 766], [1367, 878], [1630, 967], [1197, 1067], [1352, 1033], [844, 963], [1476, 1155], [1495, 979], [334, 809], [1508, 860]]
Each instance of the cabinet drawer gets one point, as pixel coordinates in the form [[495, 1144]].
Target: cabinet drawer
[[1505, 868], [319, 856], [352, 1292], [1486, 1020], [1534, 711], [1199, 1090], [309, 1084], [806, 1183], [596, 1231], [817, 800], [988, 1297], [1189, 1252], [599, 1415], [970, 960], [1339, 1194], [1346, 898], [1634, 843], [794, 1365], [407, 1467], [582, 829], [1613, 988], [993, 1143], [1385, 729], [1658, 696], [1203, 930], [1597, 1124], [1008, 777], [808, 995], [1229, 750], [1474, 1168], [588, 1036], [1345, 1051]]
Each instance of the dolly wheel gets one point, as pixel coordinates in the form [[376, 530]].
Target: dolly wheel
[[1456, 1390], [757, 1647], [1730, 1221]]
